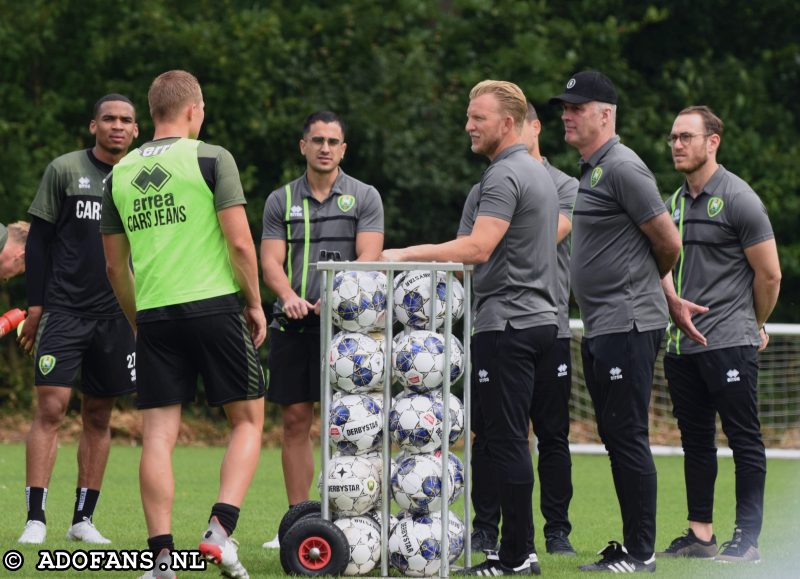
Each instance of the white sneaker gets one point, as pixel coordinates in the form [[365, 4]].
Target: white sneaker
[[157, 572], [273, 544], [217, 547], [86, 531], [34, 533]]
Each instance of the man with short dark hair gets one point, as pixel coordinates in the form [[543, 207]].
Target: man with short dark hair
[[623, 243], [510, 235], [175, 208], [12, 249], [74, 324], [728, 276], [324, 209]]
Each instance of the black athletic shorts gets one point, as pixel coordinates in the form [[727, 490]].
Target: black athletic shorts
[[102, 351], [218, 347], [294, 367]]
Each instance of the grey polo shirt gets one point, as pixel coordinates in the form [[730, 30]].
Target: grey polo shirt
[[292, 214], [3, 236], [518, 284], [716, 227], [614, 276]]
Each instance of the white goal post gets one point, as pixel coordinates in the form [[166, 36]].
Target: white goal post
[[778, 399]]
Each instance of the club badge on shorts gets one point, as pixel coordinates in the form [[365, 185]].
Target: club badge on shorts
[[46, 364], [597, 174], [715, 205], [346, 202]]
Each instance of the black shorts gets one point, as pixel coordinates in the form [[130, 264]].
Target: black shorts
[[103, 351], [218, 347], [294, 367]]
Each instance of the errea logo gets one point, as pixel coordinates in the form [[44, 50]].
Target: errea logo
[[296, 211], [615, 373], [562, 370], [483, 376], [733, 376], [84, 183]]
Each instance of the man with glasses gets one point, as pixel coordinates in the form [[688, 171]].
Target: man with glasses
[[323, 210], [729, 277], [623, 243]]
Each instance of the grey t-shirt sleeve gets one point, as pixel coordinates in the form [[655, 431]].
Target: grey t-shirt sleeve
[[567, 193], [370, 216], [636, 191], [751, 219], [498, 194], [47, 203], [228, 187], [468, 213], [110, 219], [273, 226]]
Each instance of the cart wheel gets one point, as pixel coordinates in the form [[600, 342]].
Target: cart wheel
[[315, 547], [295, 513]]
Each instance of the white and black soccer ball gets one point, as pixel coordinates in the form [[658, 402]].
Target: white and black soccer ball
[[355, 424], [353, 485], [356, 363], [358, 300], [414, 548], [456, 414], [456, 468], [418, 360], [414, 424], [413, 303], [417, 484], [455, 528], [377, 516], [364, 540]]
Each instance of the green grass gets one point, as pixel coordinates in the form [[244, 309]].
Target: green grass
[[594, 512]]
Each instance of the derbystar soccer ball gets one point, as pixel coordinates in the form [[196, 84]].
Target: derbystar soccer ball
[[364, 539], [354, 485], [456, 414], [417, 484], [414, 548], [377, 516], [415, 421], [355, 424], [418, 360], [456, 468], [358, 300], [455, 528], [356, 362], [413, 303]]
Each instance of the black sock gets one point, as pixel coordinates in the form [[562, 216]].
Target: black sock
[[155, 544], [85, 502], [227, 515], [36, 498]]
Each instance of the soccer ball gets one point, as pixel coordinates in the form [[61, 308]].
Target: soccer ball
[[456, 414], [412, 299], [415, 421], [418, 360], [455, 528], [354, 485], [417, 484], [414, 548], [358, 300], [456, 468], [356, 363], [377, 516], [356, 424], [364, 539]]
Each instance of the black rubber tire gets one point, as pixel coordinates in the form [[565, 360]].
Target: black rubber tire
[[295, 514], [314, 532]]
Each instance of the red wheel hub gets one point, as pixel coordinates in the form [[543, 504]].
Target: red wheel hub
[[314, 553]]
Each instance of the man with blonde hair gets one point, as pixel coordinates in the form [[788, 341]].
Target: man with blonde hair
[[509, 234], [176, 206], [12, 249]]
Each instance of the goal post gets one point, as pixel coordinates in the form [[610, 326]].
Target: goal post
[[778, 399]]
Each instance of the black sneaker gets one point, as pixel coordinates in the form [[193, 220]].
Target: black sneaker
[[493, 567], [688, 545], [740, 549], [617, 560], [559, 544], [533, 559], [483, 540]]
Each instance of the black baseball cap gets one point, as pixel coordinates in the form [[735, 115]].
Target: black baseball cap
[[586, 86]]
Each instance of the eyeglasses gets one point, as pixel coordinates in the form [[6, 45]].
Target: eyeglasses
[[319, 141], [685, 138]]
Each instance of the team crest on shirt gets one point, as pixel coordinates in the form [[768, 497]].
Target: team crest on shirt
[[715, 205], [46, 364], [597, 174], [346, 202]]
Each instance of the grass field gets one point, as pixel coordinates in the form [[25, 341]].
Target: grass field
[[594, 512]]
